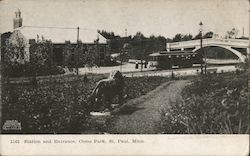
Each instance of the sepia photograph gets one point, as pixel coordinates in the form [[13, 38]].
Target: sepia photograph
[[124, 67]]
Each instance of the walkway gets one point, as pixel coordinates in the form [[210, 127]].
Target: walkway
[[127, 67], [142, 115]]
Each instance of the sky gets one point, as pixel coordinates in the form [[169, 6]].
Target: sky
[[151, 17]]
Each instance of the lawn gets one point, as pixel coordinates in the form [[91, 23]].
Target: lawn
[[61, 105]]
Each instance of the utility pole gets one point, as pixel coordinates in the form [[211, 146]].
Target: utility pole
[[248, 50], [122, 50], [77, 59]]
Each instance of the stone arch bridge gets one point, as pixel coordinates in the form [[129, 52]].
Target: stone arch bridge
[[239, 47]]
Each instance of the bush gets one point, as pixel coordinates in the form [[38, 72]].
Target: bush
[[137, 86], [62, 104], [22, 70], [48, 108], [214, 105]]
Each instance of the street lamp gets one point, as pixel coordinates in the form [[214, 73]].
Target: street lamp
[[77, 59], [201, 29]]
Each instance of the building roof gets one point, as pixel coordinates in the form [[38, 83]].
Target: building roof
[[60, 35]]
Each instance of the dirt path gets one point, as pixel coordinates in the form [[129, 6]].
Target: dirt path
[[142, 115]]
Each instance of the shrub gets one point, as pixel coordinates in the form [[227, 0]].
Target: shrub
[[62, 104], [137, 86], [49, 109], [22, 70], [215, 104]]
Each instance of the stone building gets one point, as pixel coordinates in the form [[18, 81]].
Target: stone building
[[60, 38]]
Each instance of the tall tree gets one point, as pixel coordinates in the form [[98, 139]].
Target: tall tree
[[187, 37], [13, 53], [41, 55], [177, 38]]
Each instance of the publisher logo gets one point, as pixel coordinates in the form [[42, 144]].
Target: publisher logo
[[12, 125]]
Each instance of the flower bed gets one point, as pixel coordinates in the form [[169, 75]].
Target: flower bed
[[61, 105]]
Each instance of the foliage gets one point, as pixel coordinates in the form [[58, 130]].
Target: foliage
[[69, 58], [4, 38], [138, 86], [16, 64], [41, 53], [13, 53], [177, 38], [233, 33], [208, 35], [214, 104], [18, 70], [180, 37], [139, 45], [198, 36], [62, 105], [87, 55], [187, 37], [50, 107], [91, 58]]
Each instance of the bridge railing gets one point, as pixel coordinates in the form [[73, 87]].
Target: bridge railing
[[209, 41]]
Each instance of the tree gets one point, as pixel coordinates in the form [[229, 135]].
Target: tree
[[106, 34], [232, 33], [40, 55], [138, 36], [177, 38], [12, 55], [208, 35], [180, 37], [90, 58], [14, 52], [187, 37], [139, 45], [4, 41], [198, 36], [68, 55]]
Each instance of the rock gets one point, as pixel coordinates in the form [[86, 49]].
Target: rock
[[100, 113]]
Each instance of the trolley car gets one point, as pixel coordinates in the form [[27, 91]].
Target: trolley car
[[166, 60]]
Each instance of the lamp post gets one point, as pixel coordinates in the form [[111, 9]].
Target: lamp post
[[77, 59], [202, 51], [121, 51]]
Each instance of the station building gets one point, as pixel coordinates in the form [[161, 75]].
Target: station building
[[59, 37]]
